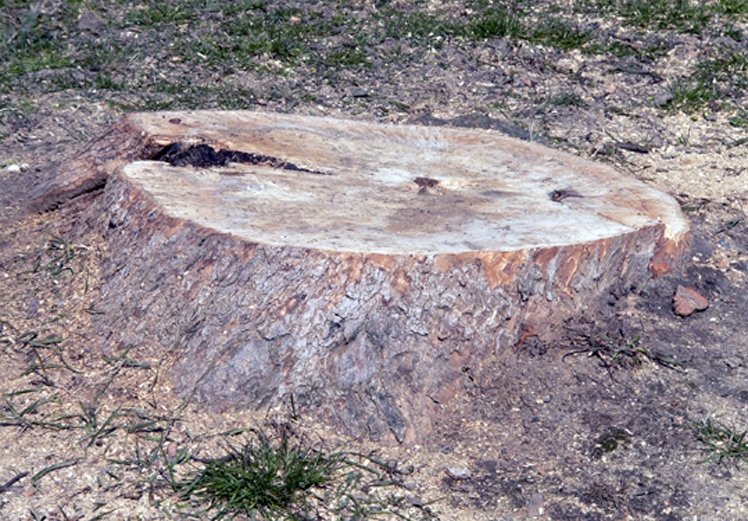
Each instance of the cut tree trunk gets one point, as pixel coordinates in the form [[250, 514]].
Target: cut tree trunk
[[364, 269]]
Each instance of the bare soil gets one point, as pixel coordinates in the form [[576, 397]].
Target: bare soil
[[88, 429]]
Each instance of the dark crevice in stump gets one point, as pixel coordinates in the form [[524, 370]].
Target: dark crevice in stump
[[205, 156]]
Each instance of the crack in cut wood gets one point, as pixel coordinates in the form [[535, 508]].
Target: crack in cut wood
[[204, 156]]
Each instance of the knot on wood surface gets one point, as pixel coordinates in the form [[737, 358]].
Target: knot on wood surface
[[424, 183], [563, 193]]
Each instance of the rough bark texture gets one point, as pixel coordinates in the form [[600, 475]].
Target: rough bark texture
[[375, 340], [88, 170]]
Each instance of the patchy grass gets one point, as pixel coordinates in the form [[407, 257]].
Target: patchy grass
[[415, 25], [714, 80], [256, 32], [182, 94], [351, 58], [193, 54], [735, 8], [555, 32], [494, 23], [679, 15], [722, 442], [490, 23], [29, 44], [146, 14], [683, 16]]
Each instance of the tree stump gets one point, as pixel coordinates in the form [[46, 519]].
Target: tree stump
[[363, 269]]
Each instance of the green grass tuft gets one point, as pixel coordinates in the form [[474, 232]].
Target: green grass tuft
[[558, 33], [722, 442], [262, 479], [565, 99], [285, 478], [347, 58], [739, 120], [494, 23], [160, 13]]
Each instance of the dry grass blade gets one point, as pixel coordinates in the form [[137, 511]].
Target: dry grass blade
[[623, 353], [56, 256], [5, 338], [52, 468], [12, 481], [12, 415], [105, 429]]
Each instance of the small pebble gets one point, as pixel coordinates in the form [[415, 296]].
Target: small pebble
[[458, 473], [171, 451], [662, 99], [687, 301], [416, 501], [90, 21], [535, 505]]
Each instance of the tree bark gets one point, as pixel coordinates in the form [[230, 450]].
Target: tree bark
[[367, 270]]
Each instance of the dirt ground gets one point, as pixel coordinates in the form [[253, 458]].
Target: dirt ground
[[552, 433]]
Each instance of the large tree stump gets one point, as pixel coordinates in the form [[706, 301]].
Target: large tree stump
[[361, 268]]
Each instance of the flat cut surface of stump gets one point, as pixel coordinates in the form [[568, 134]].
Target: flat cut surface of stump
[[406, 191], [365, 269]]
